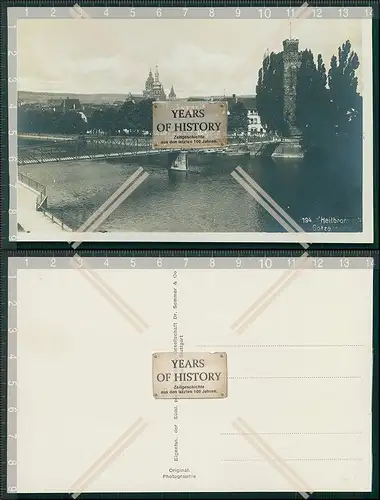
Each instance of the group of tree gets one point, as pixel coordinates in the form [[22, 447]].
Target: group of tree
[[44, 121], [328, 106], [130, 117]]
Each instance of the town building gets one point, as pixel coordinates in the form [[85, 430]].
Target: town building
[[254, 122], [65, 105], [154, 88], [254, 125]]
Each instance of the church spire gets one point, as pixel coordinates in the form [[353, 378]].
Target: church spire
[[172, 94], [157, 75]]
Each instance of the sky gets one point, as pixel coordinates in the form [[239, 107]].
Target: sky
[[197, 57]]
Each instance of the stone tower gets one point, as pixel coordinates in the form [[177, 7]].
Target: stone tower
[[292, 61]]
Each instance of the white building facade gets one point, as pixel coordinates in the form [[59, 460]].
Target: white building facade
[[255, 127]]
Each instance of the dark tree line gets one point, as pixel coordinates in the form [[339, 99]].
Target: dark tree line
[[328, 106], [134, 118], [42, 121]]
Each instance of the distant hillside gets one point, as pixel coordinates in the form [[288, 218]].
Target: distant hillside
[[33, 97]]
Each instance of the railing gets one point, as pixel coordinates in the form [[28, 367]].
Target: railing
[[28, 181], [54, 219], [42, 196], [90, 147]]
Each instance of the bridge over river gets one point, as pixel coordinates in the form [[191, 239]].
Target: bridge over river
[[34, 148]]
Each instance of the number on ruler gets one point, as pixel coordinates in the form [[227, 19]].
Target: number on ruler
[[106, 263], [106, 12], [290, 12], [212, 262], [159, 262], [317, 13], [159, 12], [265, 263], [185, 9], [133, 262], [318, 263], [211, 12], [186, 260], [132, 12], [238, 262], [344, 263], [343, 12], [237, 12], [52, 12], [53, 262], [265, 13]]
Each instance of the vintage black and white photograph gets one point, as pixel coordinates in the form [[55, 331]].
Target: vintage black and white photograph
[[294, 163]]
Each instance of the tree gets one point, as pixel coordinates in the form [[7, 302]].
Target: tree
[[128, 116], [270, 93], [145, 115], [345, 102], [237, 118], [312, 107]]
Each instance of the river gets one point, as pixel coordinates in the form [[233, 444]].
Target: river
[[209, 200]]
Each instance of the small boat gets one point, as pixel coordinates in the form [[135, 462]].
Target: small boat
[[180, 163]]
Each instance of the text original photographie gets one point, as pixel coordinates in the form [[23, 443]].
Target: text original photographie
[[192, 129]]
